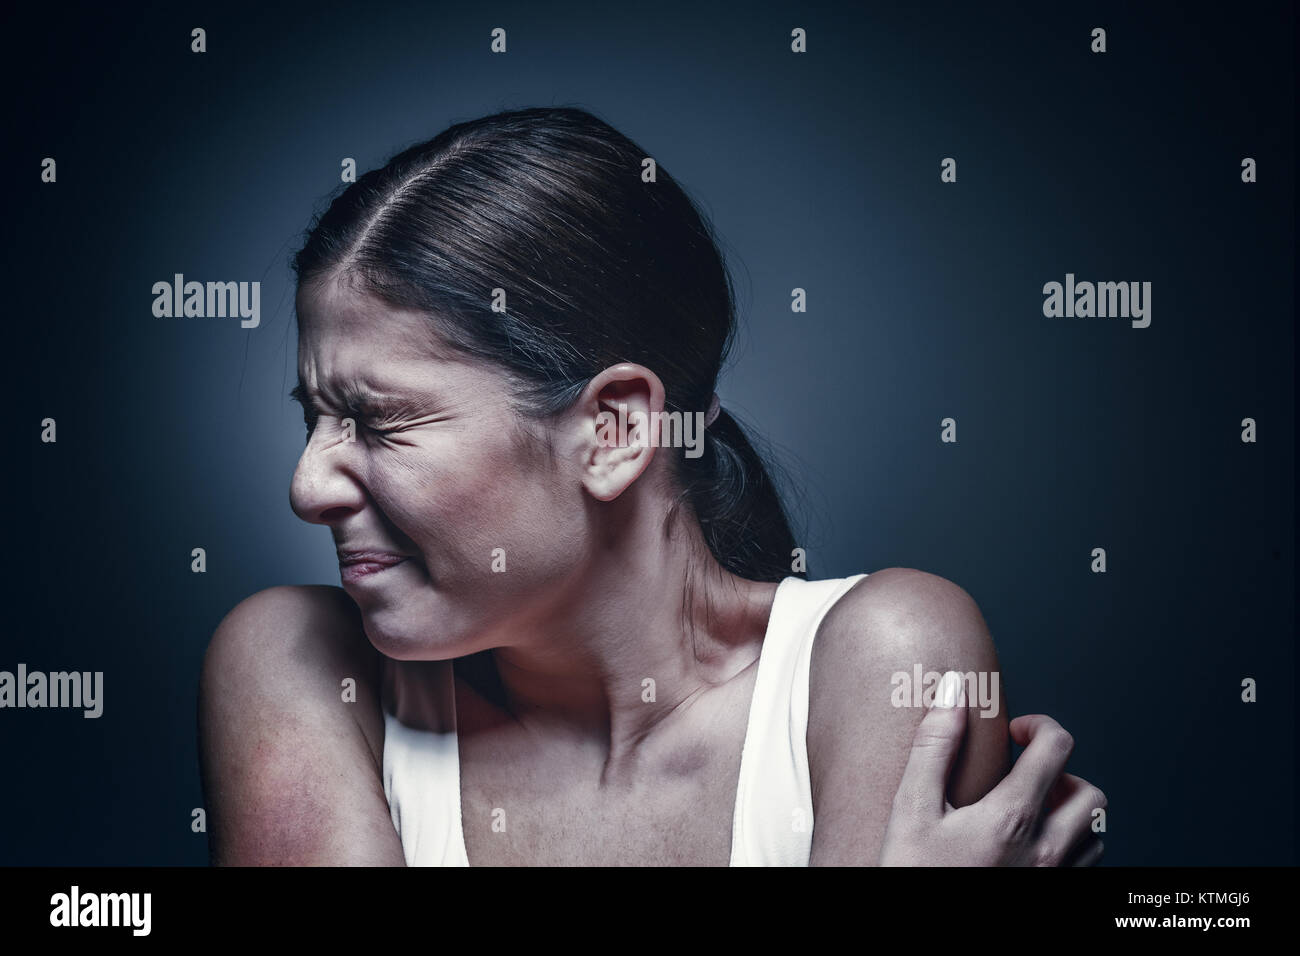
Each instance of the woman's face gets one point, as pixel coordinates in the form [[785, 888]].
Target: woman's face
[[435, 474]]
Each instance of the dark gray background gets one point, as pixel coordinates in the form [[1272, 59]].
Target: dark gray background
[[819, 171]]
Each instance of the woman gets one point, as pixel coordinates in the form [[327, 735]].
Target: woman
[[555, 643]]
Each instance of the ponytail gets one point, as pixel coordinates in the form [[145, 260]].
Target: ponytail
[[738, 504]]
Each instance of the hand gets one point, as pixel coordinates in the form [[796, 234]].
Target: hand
[[1008, 826]]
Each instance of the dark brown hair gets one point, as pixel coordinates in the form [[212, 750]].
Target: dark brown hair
[[600, 268]]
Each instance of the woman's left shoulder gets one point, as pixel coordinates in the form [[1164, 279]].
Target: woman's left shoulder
[[901, 611], [898, 626]]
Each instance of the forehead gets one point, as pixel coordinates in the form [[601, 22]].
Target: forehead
[[349, 338], [332, 315]]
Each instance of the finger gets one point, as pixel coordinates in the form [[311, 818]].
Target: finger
[[1070, 823], [934, 745], [1047, 748], [1090, 854], [1064, 787]]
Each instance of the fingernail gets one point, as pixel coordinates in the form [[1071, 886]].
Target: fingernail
[[947, 693]]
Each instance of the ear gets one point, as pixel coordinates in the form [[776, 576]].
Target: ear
[[620, 416]]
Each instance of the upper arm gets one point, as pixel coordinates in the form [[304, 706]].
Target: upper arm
[[290, 769], [861, 715]]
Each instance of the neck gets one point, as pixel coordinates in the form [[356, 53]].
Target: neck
[[644, 608]]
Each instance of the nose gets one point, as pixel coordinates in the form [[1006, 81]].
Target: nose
[[325, 489]]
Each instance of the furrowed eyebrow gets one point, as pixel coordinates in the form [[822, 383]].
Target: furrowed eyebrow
[[350, 397]]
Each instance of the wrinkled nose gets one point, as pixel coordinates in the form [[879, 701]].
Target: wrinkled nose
[[324, 489]]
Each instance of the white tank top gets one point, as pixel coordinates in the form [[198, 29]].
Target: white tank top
[[772, 822]]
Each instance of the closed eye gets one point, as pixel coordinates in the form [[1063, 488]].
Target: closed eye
[[362, 419], [366, 422]]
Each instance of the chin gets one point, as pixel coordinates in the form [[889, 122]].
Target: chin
[[405, 640]]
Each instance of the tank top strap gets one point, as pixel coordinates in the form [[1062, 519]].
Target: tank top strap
[[773, 820], [421, 770]]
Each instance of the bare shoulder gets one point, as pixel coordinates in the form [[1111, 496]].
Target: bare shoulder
[[902, 610], [294, 636], [888, 629], [291, 736]]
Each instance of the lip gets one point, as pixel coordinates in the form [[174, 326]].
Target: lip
[[358, 566], [385, 558]]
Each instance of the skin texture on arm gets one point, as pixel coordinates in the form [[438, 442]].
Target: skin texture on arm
[[858, 741], [292, 774]]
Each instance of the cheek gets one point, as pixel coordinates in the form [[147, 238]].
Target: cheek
[[524, 507], [456, 505], [459, 502]]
